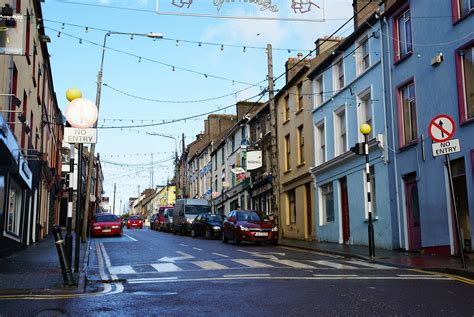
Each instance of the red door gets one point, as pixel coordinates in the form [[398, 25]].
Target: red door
[[346, 231], [413, 215]]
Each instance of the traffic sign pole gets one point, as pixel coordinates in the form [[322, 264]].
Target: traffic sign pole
[[456, 218]]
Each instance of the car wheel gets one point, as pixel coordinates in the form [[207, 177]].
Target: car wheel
[[237, 240], [182, 231], [174, 230], [224, 238], [193, 233], [208, 234]]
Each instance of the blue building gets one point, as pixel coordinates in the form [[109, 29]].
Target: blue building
[[348, 91], [428, 71]]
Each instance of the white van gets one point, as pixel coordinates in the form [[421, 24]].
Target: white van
[[185, 210]]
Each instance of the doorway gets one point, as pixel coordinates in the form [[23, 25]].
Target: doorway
[[346, 231], [413, 212], [309, 211], [460, 194]]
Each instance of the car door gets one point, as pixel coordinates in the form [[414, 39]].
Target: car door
[[228, 230], [197, 224]]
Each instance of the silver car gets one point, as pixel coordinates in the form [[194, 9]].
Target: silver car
[[167, 224]]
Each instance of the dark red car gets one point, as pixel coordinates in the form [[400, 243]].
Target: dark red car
[[135, 222], [247, 225], [160, 217], [106, 224]]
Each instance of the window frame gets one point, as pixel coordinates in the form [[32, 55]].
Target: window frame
[[321, 142], [291, 205], [318, 91], [325, 217], [301, 157], [16, 223], [364, 107], [338, 74], [397, 54], [461, 85], [299, 96], [400, 107], [287, 153], [286, 111], [456, 10], [362, 52], [340, 134]]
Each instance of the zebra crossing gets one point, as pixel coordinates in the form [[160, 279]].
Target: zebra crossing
[[227, 264]]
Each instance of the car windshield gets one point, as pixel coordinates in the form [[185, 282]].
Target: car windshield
[[215, 218], [135, 218], [197, 209], [106, 218], [248, 216]]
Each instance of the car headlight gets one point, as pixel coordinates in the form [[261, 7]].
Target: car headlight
[[244, 228], [216, 228], [115, 227], [275, 229], [96, 228], [190, 221]]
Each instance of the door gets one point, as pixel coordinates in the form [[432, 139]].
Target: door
[[309, 211], [460, 194], [346, 231], [413, 213]]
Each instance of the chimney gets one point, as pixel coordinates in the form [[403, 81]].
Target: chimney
[[326, 44], [300, 56], [294, 65]]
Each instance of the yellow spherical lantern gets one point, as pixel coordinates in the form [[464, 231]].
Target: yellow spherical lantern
[[365, 129], [73, 93]]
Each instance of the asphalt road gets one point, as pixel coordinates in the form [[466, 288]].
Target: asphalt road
[[149, 273]]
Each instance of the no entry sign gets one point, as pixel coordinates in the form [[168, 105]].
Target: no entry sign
[[441, 128]]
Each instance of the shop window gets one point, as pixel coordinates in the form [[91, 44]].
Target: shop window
[[14, 209], [290, 196]]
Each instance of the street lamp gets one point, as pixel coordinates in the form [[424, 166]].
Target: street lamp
[[175, 152], [97, 102], [365, 130]]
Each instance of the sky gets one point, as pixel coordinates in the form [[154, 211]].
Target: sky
[[201, 65]]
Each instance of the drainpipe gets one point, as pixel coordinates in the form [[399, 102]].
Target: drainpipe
[[395, 165]]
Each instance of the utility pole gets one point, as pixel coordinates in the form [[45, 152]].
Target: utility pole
[[151, 170], [274, 138], [68, 238], [113, 206]]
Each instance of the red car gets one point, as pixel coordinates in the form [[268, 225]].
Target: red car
[[135, 222], [160, 217], [106, 224], [247, 225]]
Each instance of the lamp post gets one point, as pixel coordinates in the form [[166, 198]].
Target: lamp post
[[97, 102], [175, 153], [365, 130]]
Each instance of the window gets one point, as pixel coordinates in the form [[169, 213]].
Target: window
[[222, 156], [365, 112], [233, 176], [465, 79], [287, 153], [338, 75], [232, 143], [362, 55], [318, 91], [327, 202], [215, 162], [290, 196], [408, 113], [18, 6], [216, 189], [299, 95], [27, 37], [2, 194], [321, 143], [402, 38], [287, 108], [301, 159], [340, 133], [243, 135], [14, 209], [35, 52], [462, 8]]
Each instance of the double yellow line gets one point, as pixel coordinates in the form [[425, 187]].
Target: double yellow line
[[451, 276]]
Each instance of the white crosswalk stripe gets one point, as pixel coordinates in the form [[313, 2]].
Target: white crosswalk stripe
[[251, 263], [210, 265], [166, 267], [294, 264], [122, 269], [334, 264], [371, 265]]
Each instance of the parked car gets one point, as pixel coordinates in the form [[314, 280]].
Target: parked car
[[106, 224], [135, 222], [153, 221], [160, 219], [167, 224], [248, 225], [208, 225], [185, 210]]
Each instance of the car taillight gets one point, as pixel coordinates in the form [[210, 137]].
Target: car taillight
[[129, 221], [139, 221]]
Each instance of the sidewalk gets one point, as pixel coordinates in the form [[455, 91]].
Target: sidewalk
[[399, 258], [37, 270]]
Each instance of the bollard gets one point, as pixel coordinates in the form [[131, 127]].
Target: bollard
[[65, 264]]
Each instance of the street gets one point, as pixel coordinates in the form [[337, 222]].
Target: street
[[147, 272]]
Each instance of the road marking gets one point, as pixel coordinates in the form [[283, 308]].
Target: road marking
[[222, 255], [289, 278], [251, 263], [312, 252], [451, 276], [335, 275], [183, 245], [371, 265], [184, 256], [133, 239], [197, 249], [122, 269], [166, 267], [333, 264], [266, 255], [210, 265], [294, 264], [246, 275], [106, 257], [152, 280]]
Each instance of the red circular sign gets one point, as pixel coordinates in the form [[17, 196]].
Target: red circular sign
[[441, 128]]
